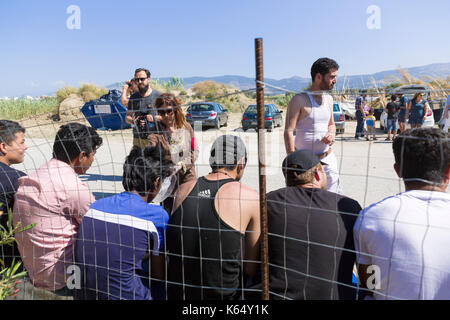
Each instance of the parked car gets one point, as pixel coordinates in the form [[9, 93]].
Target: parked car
[[409, 91], [429, 120], [272, 116], [208, 114], [438, 106], [339, 117]]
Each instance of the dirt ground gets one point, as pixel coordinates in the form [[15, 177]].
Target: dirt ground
[[365, 166]]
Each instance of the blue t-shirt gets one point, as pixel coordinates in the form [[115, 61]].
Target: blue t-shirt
[[116, 235]]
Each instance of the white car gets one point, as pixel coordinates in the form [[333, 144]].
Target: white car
[[429, 120]]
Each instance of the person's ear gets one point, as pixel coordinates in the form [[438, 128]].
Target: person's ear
[[318, 77], [447, 174], [397, 170], [83, 154], [156, 183], [317, 174], [3, 148]]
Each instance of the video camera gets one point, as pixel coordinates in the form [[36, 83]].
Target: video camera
[[141, 115]]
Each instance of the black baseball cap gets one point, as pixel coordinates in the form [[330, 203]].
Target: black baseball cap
[[300, 160]]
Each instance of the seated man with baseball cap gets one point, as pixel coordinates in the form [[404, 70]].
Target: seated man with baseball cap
[[311, 250], [213, 229]]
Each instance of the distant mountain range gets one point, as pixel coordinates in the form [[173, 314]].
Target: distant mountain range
[[440, 70]]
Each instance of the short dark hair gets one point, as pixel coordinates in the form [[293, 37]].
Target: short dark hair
[[74, 138], [422, 154], [142, 69], [143, 166], [8, 129], [323, 66], [393, 97]]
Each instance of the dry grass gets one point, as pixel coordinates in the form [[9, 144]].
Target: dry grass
[[227, 96], [64, 92], [437, 85]]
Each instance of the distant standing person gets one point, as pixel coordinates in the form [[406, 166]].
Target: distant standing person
[[417, 110], [312, 118], [446, 114], [179, 136], [141, 113], [12, 151], [403, 105], [128, 88], [392, 110], [370, 125], [359, 107]]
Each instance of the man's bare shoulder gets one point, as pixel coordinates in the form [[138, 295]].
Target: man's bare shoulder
[[238, 190], [300, 100]]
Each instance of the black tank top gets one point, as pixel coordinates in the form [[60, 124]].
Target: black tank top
[[204, 253]]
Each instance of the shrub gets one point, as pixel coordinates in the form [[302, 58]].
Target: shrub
[[89, 95], [209, 89], [9, 279], [91, 91], [283, 100], [64, 92]]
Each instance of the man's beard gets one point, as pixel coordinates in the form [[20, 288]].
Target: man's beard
[[143, 90], [325, 86]]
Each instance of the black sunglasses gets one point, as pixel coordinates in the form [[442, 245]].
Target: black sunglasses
[[140, 79], [165, 111]]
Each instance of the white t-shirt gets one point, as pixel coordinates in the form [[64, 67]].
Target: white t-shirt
[[408, 237]]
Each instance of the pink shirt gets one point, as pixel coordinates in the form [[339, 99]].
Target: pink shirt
[[55, 198]]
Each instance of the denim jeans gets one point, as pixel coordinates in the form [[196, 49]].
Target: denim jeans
[[360, 124], [391, 125]]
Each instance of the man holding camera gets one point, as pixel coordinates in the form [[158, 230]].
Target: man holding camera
[[141, 113]]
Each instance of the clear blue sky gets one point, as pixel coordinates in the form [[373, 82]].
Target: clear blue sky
[[185, 38]]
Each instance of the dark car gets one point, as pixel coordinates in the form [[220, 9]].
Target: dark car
[[272, 117], [339, 117], [208, 114]]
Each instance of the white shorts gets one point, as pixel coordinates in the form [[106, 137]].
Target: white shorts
[[332, 172]]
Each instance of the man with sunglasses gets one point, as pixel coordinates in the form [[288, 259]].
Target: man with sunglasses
[[141, 114]]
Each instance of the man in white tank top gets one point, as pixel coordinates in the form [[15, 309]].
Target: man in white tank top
[[311, 116]]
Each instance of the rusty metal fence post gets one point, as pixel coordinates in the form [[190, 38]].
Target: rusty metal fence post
[[262, 167]]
